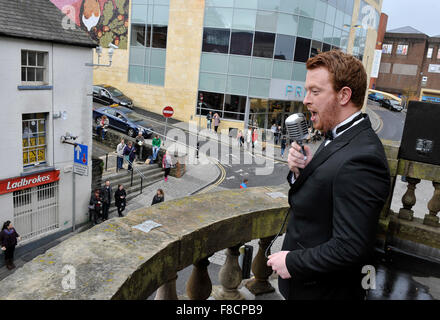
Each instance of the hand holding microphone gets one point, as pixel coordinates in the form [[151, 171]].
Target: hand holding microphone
[[299, 155]]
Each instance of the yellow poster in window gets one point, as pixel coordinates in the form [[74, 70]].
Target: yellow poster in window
[[41, 125], [25, 142], [41, 155], [33, 141], [41, 140], [33, 156], [25, 158]]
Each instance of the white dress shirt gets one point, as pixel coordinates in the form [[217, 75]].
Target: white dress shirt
[[338, 134]]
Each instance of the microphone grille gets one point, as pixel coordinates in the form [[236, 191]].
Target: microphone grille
[[296, 126]]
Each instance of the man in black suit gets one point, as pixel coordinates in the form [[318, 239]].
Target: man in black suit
[[337, 194], [106, 195]]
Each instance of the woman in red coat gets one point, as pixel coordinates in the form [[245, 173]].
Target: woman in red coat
[[254, 137]]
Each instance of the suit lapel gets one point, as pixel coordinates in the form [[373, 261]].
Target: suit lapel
[[325, 152]]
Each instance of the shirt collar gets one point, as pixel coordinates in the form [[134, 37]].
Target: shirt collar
[[344, 122]]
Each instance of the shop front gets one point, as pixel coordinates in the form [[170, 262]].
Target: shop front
[[284, 98], [35, 203]]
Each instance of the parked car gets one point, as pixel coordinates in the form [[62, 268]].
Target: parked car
[[393, 105], [375, 97], [108, 95], [124, 120]]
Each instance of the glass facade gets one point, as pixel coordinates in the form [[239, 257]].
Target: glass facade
[[249, 43], [148, 41]]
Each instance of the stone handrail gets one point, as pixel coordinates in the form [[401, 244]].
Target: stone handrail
[[402, 229], [115, 261]]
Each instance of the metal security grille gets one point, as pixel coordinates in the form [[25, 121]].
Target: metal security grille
[[36, 211]]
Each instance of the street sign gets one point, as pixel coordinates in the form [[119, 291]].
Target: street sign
[[80, 154], [168, 112], [80, 160], [80, 169]]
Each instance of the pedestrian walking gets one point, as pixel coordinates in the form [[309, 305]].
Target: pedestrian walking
[[129, 154], [273, 129], [8, 240], [278, 135], [244, 184], [156, 146], [216, 122], [209, 120], [120, 154], [140, 145], [240, 138], [248, 138], [101, 129], [158, 197], [283, 145], [106, 198], [95, 206], [120, 199], [166, 164], [254, 137]]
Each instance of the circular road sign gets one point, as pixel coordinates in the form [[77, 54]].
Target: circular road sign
[[168, 112]]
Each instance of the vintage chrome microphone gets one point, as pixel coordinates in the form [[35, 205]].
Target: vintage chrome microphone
[[297, 128]]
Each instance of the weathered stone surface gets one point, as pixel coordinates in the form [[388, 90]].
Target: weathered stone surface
[[114, 261]]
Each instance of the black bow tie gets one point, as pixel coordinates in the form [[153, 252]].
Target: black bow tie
[[329, 134]]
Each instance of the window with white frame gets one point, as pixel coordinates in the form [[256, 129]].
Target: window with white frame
[[33, 67], [429, 54], [402, 49], [34, 138], [387, 48]]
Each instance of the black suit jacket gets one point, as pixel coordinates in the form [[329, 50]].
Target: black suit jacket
[[334, 209]]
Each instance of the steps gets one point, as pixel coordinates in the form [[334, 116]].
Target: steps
[[152, 174]]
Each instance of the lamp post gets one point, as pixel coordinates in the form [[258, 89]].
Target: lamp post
[[110, 56], [198, 128]]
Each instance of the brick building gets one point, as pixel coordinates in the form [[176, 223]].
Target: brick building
[[410, 62]]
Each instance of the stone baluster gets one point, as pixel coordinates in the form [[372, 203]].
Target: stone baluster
[[409, 200], [432, 219], [167, 291], [230, 277], [199, 285], [260, 283]]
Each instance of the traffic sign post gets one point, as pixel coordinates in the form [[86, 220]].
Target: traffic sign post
[[167, 113], [80, 166], [80, 160]]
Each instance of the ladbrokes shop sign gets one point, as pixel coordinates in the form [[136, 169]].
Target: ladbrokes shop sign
[[19, 183]]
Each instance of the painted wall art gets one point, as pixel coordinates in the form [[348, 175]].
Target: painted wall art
[[105, 20]]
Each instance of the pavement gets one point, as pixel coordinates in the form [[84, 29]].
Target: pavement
[[202, 178]]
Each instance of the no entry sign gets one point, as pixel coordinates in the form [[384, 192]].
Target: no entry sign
[[168, 112]]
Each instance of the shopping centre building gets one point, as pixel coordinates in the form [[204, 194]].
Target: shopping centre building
[[244, 59]]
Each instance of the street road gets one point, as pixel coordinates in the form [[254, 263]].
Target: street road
[[392, 122]]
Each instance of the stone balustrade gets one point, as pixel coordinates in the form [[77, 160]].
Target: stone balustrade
[[402, 229], [115, 261]]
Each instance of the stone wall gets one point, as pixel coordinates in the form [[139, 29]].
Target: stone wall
[[112, 260]]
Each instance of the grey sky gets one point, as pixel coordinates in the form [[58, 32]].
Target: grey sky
[[422, 15]]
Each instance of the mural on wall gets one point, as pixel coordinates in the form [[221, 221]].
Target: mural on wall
[[105, 20]]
